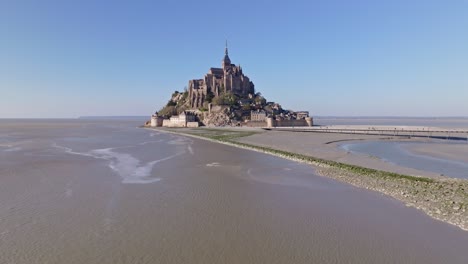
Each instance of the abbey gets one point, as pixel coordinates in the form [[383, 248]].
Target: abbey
[[225, 97], [219, 81]]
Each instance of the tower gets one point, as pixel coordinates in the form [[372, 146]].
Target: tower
[[226, 61]]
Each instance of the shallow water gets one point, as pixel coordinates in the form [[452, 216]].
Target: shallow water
[[398, 153], [77, 191], [442, 122]]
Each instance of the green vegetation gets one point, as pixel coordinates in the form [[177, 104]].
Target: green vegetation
[[259, 99], [170, 103], [184, 96], [209, 97], [246, 107], [168, 110], [222, 135], [227, 98], [175, 107]]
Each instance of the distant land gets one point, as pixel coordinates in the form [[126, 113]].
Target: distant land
[[114, 117], [394, 117]]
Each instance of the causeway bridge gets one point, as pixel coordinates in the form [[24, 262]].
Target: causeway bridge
[[403, 131]]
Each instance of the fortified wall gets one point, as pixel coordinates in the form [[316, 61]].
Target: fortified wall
[[271, 122], [259, 119], [185, 119]]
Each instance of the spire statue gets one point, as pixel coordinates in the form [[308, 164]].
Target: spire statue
[[226, 48]]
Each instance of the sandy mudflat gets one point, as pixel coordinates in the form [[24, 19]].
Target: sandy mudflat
[[108, 192], [442, 198], [324, 145]]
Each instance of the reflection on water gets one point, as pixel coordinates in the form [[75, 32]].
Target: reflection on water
[[396, 153]]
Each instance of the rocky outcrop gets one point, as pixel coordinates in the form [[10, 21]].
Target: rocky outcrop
[[218, 119]]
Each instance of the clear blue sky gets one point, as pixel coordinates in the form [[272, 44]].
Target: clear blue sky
[[68, 58]]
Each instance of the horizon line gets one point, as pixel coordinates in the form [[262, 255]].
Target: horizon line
[[318, 116]]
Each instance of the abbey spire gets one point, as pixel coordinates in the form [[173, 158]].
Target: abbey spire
[[226, 60]]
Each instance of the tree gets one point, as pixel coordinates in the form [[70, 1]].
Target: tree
[[171, 103], [175, 93], [168, 111], [209, 97], [230, 98], [260, 100], [218, 100]]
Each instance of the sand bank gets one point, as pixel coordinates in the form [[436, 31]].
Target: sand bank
[[324, 146], [442, 198]]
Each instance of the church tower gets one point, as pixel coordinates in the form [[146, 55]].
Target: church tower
[[226, 61]]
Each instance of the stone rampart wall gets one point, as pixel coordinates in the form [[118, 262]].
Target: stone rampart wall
[[288, 123], [171, 123], [255, 124], [193, 124]]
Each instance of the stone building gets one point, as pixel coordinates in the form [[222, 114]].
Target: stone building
[[217, 81], [302, 114], [258, 116]]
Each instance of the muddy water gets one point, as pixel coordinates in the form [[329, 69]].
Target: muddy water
[[88, 192], [400, 153]]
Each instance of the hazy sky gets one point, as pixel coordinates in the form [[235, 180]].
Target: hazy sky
[[388, 58]]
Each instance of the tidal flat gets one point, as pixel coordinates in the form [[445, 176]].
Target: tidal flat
[[81, 191], [440, 197]]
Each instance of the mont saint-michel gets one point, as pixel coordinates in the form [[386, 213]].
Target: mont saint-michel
[[326, 132], [225, 97]]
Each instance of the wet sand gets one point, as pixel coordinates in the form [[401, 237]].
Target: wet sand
[[329, 146], [430, 156], [325, 146], [94, 193]]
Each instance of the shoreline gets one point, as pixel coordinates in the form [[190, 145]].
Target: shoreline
[[442, 198], [326, 146]]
